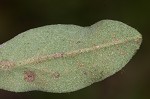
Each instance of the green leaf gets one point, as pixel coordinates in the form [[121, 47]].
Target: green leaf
[[66, 58]]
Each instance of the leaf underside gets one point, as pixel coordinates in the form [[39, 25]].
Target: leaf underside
[[66, 58]]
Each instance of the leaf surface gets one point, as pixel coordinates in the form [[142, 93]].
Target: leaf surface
[[65, 58]]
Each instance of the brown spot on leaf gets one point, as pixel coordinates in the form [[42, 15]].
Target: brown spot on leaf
[[80, 64], [138, 41], [85, 73], [29, 76], [116, 40], [56, 75], [78, 42]]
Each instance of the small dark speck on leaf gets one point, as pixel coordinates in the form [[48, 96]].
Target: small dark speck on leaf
[[78, 42], [29, 76], [56, 74]]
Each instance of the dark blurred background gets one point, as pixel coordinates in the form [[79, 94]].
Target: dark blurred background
[[132, 82]]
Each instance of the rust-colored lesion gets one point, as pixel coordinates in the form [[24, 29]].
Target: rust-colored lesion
[[6, 64], [29, 76]]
